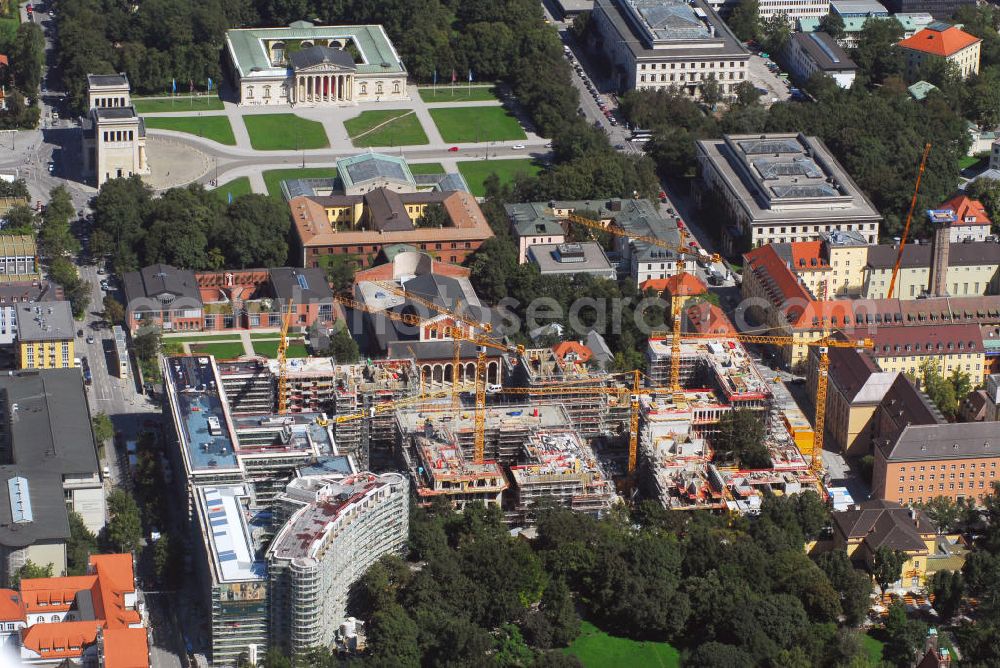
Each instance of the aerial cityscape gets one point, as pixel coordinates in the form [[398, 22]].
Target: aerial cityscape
[[559, 334]]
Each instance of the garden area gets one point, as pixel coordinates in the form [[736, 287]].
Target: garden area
[[269, 347], [284, 132], [216, 128], [178, 104], [396, 127], [451, 93], [236, 187], [426, 168], [596, 649], [274, 177], [224, 350], [475, 172], [476, 124]]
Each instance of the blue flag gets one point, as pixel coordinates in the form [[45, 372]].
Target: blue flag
[[209, 84], [230, 197], [173, 85], [435, 77], [470, 76]]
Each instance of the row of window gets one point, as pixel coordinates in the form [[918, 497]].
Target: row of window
[[119, 135], [951, 476], [374, 248], [663, 66], [944, 467], [695, 76], [951, 485]]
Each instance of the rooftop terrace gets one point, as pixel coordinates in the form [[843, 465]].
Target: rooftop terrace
[[230, 540], [206, 432]]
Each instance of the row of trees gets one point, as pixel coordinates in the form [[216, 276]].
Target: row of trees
[[947, 392], [187, 227], [26, 53], [730, 594]]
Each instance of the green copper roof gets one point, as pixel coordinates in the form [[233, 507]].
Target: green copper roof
[[246, 46], [366, 166], [920, 89]]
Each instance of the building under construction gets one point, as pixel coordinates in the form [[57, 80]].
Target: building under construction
[[543, 456], [322, 385], [677, 441], [540, 377]]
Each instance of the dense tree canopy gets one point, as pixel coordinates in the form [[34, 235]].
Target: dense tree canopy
[[187, 227]]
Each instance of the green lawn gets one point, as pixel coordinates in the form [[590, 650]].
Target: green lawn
[[216, 128], [873, 648], [152, 105], [195, 338], [426, 168], [476, 124], [296, 348], [236, 187], [278, 132], [224, 351], [274, 177], [397, 127], [270, 336], [476, 171], [597, 649], [457, 94], [972, 161]]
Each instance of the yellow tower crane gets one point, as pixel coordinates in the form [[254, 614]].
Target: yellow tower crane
[[822, 377], [286, 322], [676, 300]]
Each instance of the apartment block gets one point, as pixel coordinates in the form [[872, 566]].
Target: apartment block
[[45, 336], [942, 41]]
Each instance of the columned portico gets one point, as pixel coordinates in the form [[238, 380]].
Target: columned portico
[[322, 88]]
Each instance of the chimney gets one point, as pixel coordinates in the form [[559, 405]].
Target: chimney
[[941, 221]]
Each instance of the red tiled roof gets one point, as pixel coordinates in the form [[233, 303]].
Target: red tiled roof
[[768, 265], [10, 606], [126, 648], [964, 207], [806, 254], [54, 641], [3, 60], [563, 348], [939, 43], [707, 318], [684, 285]]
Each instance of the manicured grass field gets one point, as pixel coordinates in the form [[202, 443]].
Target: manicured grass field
[[202, 337], [270, 349], [153, 105], [264, 336], [457, 94], [972, 161], [426, 168], [236, 187], [223, 351], [476, 124], [274, 177], [873, 648], [284, 132], [476, 171], [216, 128], [396, 127], [597, 649]]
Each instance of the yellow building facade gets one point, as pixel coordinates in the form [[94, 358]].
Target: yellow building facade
[[57, 354]]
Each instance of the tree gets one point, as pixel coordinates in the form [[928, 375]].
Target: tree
[[103, 428], [29, 571], [165, 560], [941, 390], [81, 544], [775, 32], [275, 659], [877, 55], [854, 585], [124, 529], [340, 271], [27, 58], [833, 25], [745, 20], [741, 432], [147, 343], [948, 588], [343, 348], [393, 635], [21, 219], [258, 227], [747, 94], [711, 92], [17, 189], [55, 237], [559, 610], [114, 312], [719, 655], [887, 566], [434, 216], [903, 636]]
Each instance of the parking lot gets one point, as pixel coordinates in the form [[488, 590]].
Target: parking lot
[[764, 79]]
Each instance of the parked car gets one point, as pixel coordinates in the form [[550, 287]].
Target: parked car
[[91, 339], [453, 149]]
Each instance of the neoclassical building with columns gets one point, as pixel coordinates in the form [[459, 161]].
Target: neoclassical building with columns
[[311, 65]]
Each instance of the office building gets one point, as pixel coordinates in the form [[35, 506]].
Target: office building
[[45, 335], [96, 619], [333, 530], [669, 44], [942, 41], [14, 294], [114, 135], [18, 259], [793, 10], [911, 24], [572, 258], [309, 65], [939, 9], [810, 53], [49, 466], [856, 388], [973, 270], [954, 460], [780, 188]]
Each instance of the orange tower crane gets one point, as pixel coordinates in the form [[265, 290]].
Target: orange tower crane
[[286, 322], [824, 344], [676, 301], [909, 218]]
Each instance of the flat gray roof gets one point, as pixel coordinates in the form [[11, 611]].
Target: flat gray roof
[[48, 321], [106, 80], [824, 51], [587, 258], [786, 177], [671, 29], [49, 437]]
